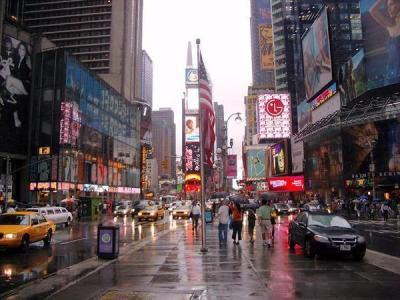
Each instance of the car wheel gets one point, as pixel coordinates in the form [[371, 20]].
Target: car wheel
[[47, 239], [68, 222], [358, 256], [291, 242], [25, 243], [309, 251]]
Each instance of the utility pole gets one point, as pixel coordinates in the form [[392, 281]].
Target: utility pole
[[6, 183]]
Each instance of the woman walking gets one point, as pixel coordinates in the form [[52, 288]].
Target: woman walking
[[237, 217]]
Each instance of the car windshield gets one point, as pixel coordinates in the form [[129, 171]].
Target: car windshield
[[14, 220], [281, 205], [328, 221], [151, 208], [183, 207], [122, 207]]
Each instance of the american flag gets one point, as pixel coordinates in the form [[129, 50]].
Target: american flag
[[206, 105]]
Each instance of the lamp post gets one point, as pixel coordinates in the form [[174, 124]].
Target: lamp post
[[225, 147], [371, 145]]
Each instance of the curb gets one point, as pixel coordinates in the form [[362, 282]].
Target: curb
[[48, 286]]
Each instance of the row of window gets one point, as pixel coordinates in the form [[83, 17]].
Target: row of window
[[75, 19], [86, 41], [78, 27], [78, 34], [52, 4], [67, 12]]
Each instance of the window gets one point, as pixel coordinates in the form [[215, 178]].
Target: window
[[35, 220], [57, 211], [50, 212], [64, 210], [42, 219]]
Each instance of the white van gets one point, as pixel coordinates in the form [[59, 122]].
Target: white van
[[59, 215]]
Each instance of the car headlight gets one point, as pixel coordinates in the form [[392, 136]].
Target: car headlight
[[153, 213], [140, 213], [321, 238], [174, 213], [133, 210], [10, 236], [360, 239]]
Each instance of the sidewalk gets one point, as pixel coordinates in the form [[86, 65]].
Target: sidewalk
[[172, 267]]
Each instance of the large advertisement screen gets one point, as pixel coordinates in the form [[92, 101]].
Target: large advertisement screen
[[15, 82], [304, 114], [192, 130], [266, 47], [317, 56], [380, 138], [231, 166], [279, 158], [381, 23], [256, 164], [192, 158], [286, 184], [274, 116]]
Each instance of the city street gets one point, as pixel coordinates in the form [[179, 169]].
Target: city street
[[172, 267], [70, 246]]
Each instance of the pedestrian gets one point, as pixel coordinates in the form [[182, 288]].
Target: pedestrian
[[223, 216], [237, 218], [251, 223], [264, 220], [385, 209], [214, 208], [273, 222], [195, 215]]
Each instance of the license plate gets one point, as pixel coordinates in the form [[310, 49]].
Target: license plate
[[345, 247]]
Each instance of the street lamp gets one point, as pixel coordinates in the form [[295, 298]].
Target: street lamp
[[225, 147], [371, 145]]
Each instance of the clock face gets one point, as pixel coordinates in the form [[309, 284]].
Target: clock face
[[191, 76]]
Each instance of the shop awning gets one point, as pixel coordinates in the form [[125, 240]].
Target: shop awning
[[372, 110]]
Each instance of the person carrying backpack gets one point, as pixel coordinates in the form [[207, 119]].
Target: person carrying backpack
[[251, 223]]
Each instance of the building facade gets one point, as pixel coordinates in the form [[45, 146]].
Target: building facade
[[106, 36], [147, 79], [219, 125], [164, 141], [86, 136]]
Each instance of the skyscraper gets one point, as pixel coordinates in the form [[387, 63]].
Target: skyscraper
[[105, 35], [219, 125], [164, 141], [147, 78]]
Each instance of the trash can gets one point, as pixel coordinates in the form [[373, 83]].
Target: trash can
[[208, 215], [107, 241]]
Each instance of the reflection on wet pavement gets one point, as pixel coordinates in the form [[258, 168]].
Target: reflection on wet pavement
[[172, 266], [70, 246]]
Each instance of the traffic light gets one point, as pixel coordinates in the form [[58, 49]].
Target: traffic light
[[164, 164]]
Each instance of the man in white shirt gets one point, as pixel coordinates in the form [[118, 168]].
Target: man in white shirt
[[223, 215], [195, 215]]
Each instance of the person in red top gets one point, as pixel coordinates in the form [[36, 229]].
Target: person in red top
[[237, 218]]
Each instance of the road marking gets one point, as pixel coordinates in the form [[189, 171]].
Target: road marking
[[73, 241], [384, 261]]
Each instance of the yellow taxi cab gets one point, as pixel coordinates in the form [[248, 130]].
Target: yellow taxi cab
[[153, 212], [19, 229]]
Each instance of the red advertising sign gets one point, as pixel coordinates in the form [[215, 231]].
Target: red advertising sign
[[231, 166], [286, 184]]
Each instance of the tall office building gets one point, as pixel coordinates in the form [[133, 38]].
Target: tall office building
[[147, 78], [164, 141], [219, 125], [291, 19], [262, 53], [105, 35]]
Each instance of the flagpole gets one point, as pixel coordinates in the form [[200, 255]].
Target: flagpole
[[203, 219]]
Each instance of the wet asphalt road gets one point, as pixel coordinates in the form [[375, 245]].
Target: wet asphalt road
[[70, 246]]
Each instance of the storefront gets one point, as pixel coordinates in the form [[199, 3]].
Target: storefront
[[89, 132]]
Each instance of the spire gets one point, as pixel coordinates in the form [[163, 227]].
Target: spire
[[189, 59]]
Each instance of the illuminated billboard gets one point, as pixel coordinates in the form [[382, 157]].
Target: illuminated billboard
[[317, 56], [286, 184], [192, 157], [279, 158], [274, 116], [255, 164], [192, 130], [304, 114], [380, 21], [192, 100]]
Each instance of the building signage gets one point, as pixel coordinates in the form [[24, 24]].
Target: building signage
[[192, 129], [274, 116], [286, 184], [192, 157], [231, 166], [191, 76], [105, 241], [324, 96], [279, 159]]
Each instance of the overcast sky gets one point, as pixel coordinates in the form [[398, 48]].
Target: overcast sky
[[224, 29]]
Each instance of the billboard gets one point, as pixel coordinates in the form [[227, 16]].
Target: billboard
[[317, 56], [352, 77], [192, 130], [380, 21], [297, 150], [286, 184], [192, 158], [266, 47], [255, 164], [279, 158], [15, 82], [304, 114], [231, 166], [192, 100], [274, 116]]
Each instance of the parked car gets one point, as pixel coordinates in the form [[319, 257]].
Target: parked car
[[18, 230], [293, 209], [324, 233], [151, 213], [281, 208], [182, 212], [56, 214]]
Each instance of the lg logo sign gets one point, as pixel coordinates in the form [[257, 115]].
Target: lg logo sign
[[274, 107]]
